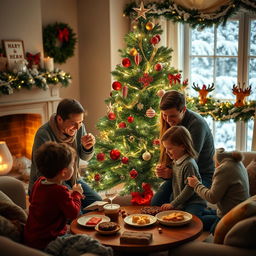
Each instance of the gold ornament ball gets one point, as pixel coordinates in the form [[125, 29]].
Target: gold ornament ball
[[146, 156], [150, 25], [133, 52]]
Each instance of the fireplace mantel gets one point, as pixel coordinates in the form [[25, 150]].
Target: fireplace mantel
[[34, 101]]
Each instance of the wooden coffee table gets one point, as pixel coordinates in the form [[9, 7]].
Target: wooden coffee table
[[170, 236]]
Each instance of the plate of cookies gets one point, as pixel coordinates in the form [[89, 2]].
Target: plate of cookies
[[140, 220], [107, 228], [174, 218]]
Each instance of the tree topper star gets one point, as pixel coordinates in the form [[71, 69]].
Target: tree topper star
[[141, 11]]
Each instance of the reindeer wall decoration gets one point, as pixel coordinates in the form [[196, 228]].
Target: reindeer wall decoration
[[241, 94], [203, 92]]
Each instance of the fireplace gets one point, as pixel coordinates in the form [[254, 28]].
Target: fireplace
[[22, 113]]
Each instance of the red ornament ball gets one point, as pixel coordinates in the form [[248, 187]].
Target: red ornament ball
[[133, 174], [154, 40], [158, 37], [97, 177], [111, 116], [125, 160], [130, 119], [156, 142], [122, 125], [100, 157], [158, 67], [126, 62], [115, 154], [116, 85]]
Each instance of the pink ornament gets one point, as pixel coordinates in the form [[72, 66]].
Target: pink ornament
[[137, 59], [160, 93], [150, 113], [125, 91], [126, 62]]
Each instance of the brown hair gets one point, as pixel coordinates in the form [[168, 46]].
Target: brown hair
[[52, 157], [179, 135], [171, 99], [69, 106]]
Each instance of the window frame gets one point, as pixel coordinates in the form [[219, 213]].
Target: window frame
[[242, 66]]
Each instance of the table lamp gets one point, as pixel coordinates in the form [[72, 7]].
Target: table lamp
[[6, 160]]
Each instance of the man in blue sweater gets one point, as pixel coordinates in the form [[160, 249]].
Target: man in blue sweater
[[174, 112]]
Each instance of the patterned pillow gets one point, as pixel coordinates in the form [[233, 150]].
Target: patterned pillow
[[251, 169], [242, 211]]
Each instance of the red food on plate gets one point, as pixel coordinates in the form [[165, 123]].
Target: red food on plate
[[93, 221]]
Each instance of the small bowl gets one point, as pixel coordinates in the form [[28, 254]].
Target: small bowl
[[107, 232]]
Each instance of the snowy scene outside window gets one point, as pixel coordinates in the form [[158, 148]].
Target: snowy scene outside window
[[226, 55]]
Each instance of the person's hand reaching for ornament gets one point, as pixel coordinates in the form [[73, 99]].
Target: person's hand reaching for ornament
[[88, 141]]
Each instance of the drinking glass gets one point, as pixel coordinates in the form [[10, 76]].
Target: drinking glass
[[111, 194]]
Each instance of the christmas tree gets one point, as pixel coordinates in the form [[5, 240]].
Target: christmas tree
[[127, 149]]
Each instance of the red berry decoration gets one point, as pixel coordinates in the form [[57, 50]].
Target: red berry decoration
[[97, 177], [122, 125], [130, 119], [126, 62], [115, 154], [100, 157], [111, 116], [133, 174], [116, 85], [158, 67], [125, 160]]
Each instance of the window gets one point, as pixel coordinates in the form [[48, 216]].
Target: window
[[224, 55]]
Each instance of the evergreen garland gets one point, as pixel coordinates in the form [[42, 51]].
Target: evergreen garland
[[59, 41], [196, 18]]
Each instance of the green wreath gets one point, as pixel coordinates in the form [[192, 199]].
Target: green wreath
[[59, 42]]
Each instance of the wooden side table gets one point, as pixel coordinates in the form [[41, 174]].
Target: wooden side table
[[170, 236]]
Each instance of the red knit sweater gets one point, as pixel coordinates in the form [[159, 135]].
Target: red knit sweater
[[51, 205]]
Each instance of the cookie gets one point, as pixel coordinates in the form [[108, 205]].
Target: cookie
[[107, 226]]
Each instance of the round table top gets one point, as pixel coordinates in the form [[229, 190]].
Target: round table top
[[169, 237]]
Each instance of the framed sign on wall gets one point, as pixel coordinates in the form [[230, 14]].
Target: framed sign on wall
[[14, 50]]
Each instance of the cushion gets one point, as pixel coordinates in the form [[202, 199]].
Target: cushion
[[243, 234], [241, 211], [251, 169], [12, 218]]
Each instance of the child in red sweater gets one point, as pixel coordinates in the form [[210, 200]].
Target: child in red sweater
[[51, 203]]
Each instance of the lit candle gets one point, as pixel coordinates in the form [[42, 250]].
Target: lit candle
[[48, 64]]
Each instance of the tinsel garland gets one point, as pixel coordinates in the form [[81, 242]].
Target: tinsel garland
[[10, 81], [223, 111], [196, 18]]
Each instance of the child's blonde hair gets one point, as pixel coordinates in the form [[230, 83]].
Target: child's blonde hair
[[179, 135]]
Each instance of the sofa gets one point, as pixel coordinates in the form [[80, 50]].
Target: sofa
[[16, 192]]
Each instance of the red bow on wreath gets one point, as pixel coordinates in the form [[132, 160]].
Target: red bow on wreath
[[142, 198], [63, 34], [33, 59], [173, 79]]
